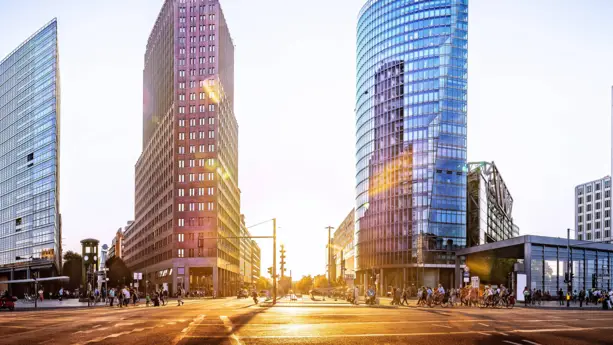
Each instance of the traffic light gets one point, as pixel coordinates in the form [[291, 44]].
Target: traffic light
[[566, 280]]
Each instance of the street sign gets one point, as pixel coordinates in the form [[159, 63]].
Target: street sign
[[474, 281], [466, 274], [138, 276], [466, 279]]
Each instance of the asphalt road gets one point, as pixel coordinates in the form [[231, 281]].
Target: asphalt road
[[232, 321]]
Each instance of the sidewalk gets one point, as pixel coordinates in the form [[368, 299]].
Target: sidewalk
[[306, 301], [556, 305], [53, 304]]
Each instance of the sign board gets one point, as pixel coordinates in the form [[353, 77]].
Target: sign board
[[136, 285], [165, 286], [466, 274], [519, 287], [466, 279], [138, 276], [474, 281]]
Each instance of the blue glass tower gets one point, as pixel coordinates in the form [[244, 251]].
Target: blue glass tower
[[29, 157], [410, 140]]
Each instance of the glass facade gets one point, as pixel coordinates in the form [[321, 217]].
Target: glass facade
[[29, 150], [591, 268], [411, 85]]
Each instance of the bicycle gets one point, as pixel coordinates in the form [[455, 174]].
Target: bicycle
[[28, 298]]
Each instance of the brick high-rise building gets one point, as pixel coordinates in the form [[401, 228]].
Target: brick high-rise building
[[186, 195]]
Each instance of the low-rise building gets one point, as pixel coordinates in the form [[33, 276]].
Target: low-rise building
[[256, 262]]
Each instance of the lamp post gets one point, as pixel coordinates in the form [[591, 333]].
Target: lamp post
[[30, 259]]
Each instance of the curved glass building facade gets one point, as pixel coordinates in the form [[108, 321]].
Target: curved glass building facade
[[411, 86]]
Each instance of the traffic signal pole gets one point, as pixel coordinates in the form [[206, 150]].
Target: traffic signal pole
[[569, 271], [274, 261]]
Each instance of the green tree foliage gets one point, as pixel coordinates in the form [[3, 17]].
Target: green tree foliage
[[118, 273], [320, 281], [263, 284], [73, 268], [305, 284]]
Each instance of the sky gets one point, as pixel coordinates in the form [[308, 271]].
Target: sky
[[539, 105]]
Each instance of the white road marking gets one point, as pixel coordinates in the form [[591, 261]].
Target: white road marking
[[226, 322], [96, 326], [439, 325], [530, 342], [483, 324], [503, 334], [185, 330], [483, 333], [510, 342]]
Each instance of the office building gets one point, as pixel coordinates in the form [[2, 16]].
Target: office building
[[593, 210], [187, 207], [30, 223], [116, 248], [411, 169], [245, 254], [343, 244], [256, 262], [490, 206]]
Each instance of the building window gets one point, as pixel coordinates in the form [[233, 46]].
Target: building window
[[211, 176], [597, 225], [580, 219], [589, 208], [597, 215], [192, 207], [211, 107], [589, 189], [597, 186], [580, 201], [597, 235], [181, 136], [191, 252], [181, 150], [181, 222], [580, 210], [181, 163], [192, 177], [588, 236], [211, 191], [607, 233], [181, 253], [607, 183], [181, 207], [607, 193], [589, 217], [607, 213], [211, 148], [580, 228], [580, 190], [181, 237], [597, 196], [607, 224], [589, 198], [210, 206], [607, 203], [589, 226], [192, 192], [192, 149], [200, 206], [211, 134], [181, 178], [181, 192], [200, 191], [211, 120], [580, 237]]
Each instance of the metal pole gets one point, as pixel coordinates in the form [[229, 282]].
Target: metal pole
[[569, 268], [274, 261]]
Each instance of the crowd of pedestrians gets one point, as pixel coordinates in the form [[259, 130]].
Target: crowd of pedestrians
[[536, 297]]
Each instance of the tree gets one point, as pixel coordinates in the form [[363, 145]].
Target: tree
[[73, 268], [263, 284], [320, 281], [118, 274], [305, 284], [70, 255]]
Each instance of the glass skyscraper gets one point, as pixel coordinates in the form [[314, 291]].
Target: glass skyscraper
[[29, 154], [411, 85]]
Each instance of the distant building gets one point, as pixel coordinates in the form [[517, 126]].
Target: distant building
[[245, 253], [343, 244], [116, 248], [256, 262], [593, 210], [490, 206]]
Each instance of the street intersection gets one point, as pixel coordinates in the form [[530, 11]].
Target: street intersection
[[232, 321]]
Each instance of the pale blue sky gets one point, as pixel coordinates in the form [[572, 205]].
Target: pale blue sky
[[540, 76]]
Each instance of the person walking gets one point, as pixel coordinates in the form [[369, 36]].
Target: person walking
[[581, 298], [180, 295], [526, 296], [405, 296], [561, 297], [60, 294], [356, 294], [111, 297]]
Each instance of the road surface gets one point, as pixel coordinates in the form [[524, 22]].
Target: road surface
[[232, 321]]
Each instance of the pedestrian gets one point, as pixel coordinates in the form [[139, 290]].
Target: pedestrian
[[126, 296], [405, 296], [356, 294], [561, 297], [41, 294], [111, 296], [581, 298], [60, 294], [526, 296], [180, 295], [134, 297]]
